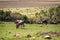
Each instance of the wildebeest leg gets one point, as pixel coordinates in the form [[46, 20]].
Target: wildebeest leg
[[17, 26], [23, 25]]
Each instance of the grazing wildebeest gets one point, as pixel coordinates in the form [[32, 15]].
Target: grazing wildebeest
[[44, 21], [19, 23]]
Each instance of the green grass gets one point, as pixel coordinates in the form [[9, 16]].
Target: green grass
[[8, 29]]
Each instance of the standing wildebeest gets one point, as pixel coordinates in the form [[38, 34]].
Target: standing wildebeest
[[19, 23]]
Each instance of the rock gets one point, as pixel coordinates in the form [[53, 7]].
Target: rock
[[28, 36], [32, 38], [17, 35], [47, 37]]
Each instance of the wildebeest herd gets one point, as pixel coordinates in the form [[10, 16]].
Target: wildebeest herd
[[20, 23]]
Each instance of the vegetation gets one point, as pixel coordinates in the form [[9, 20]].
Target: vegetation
[[51, 15], [8, 30]]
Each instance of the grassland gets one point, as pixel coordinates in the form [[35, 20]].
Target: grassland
[[8, 29]]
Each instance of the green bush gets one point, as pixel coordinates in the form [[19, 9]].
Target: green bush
[[1, 15], [50, 15]]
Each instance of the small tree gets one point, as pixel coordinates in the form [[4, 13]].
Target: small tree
[[54, 14], [1, 14], [7, 16], [15, 15]]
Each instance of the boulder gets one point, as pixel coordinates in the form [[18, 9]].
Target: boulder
[[47, 37], [28, 36], [17, 35]]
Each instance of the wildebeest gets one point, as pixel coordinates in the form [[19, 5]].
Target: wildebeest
[[19, 23], [44, 21]]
